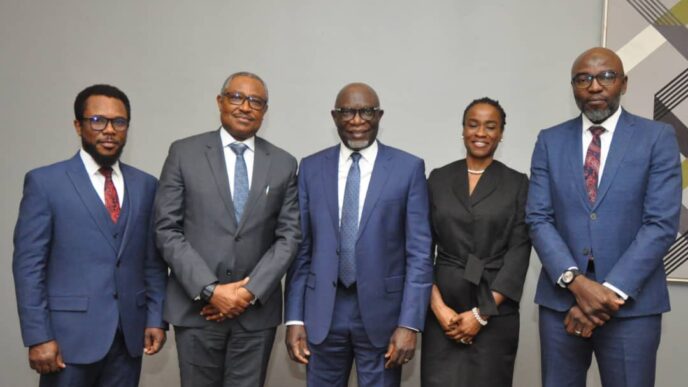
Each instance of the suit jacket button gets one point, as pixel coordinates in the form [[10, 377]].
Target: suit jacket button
[[237, 238], [334, 284], [229, 273], [586, 251], [115, 235], [118, 262], [593, 216], [115, 295]]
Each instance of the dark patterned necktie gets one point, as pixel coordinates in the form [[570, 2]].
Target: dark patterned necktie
[[591, 168], [111, 198], [240, 179], [348, 230]]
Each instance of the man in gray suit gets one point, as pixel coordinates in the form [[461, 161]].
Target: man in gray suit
[[227, 223]]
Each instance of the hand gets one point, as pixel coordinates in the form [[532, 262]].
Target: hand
[[212, 313], [401, 348], [465, 329], [597, 301], [578, 324], [297, 344], [229, 300], [446, 317], [154, 340], [46, 358]]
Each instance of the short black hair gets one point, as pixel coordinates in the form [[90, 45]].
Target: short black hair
[[487, 101], [101, 89]]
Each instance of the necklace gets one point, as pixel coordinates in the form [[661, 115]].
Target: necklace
[[476, 171]]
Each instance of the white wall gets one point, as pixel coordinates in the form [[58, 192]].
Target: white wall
[[427, 60]]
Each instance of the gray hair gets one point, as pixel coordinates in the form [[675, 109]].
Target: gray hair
[[244, 74]]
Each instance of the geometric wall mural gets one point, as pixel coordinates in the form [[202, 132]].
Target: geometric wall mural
[[651, 37]]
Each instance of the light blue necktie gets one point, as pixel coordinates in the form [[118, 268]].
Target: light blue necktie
[[240, 179], [348, 230]]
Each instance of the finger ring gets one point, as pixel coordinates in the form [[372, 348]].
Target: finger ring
[[463, 341], [406, 360], [222, 314], [578, 333]]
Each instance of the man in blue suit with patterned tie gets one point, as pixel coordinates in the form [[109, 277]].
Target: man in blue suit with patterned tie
[[360, 284], [603, 207], [88, 278]]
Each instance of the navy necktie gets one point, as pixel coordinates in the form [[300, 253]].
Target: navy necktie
[[240, 180], [348, 231]]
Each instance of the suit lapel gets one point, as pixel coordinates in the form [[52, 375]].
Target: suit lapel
[[82, 183], [330, 182], [218, 168], [620, 142], [381, 172], [259, 181], [574, 152], [486, 184], [459, 184], [133, 194]]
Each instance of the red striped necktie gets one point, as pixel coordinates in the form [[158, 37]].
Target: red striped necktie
[[111, 198]]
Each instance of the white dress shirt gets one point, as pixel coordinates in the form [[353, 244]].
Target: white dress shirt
[[230, 157], [98, 180], [609, 126]]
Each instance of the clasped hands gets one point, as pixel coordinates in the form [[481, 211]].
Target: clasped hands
[[460, 327], [595, 305], [228, 301]]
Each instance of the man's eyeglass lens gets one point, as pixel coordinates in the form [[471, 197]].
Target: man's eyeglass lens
[[364, 113], [584, 80], [99, 123], [238, 99]]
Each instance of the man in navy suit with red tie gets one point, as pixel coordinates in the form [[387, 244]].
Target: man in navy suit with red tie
[[88, 279], [603, 209]]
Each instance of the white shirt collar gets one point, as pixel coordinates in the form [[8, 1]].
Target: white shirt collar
[[368, 154], [609, 124], [92, 167], [227, 139]]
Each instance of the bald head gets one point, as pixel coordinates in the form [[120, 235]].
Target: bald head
[[358, 89], [598, 55]]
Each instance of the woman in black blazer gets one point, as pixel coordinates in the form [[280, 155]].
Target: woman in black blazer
[[483, 249]]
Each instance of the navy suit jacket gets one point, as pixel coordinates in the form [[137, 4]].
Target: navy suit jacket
[[72, 284], [629, 228], [393, 265]]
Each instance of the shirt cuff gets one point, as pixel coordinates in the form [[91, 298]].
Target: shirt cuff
[[294, 322], [409, 328], [560, 282], [616, 290]]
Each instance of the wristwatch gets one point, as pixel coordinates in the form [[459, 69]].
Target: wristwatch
[[569, 276], [207, 292]]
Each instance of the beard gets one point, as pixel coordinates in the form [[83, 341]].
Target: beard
[[102, 160], [357, 145], [598, 116]]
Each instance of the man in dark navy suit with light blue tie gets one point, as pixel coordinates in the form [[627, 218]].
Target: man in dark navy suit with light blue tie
[[603, 207], [89, 281], [360, 284]]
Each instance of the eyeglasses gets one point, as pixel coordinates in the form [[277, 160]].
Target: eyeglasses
[[99, 123], [255, 103], [365, 113], [584, 80]]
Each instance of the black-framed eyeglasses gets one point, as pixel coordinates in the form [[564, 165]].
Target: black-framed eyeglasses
[[347, 114], [256, 103], [584, 80], [99, 123]]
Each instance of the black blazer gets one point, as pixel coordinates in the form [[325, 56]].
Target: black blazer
[[483, 235]]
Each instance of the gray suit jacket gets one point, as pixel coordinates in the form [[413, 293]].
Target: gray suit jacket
[[201, 241]]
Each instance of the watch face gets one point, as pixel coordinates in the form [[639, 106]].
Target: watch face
[[568, 277]]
